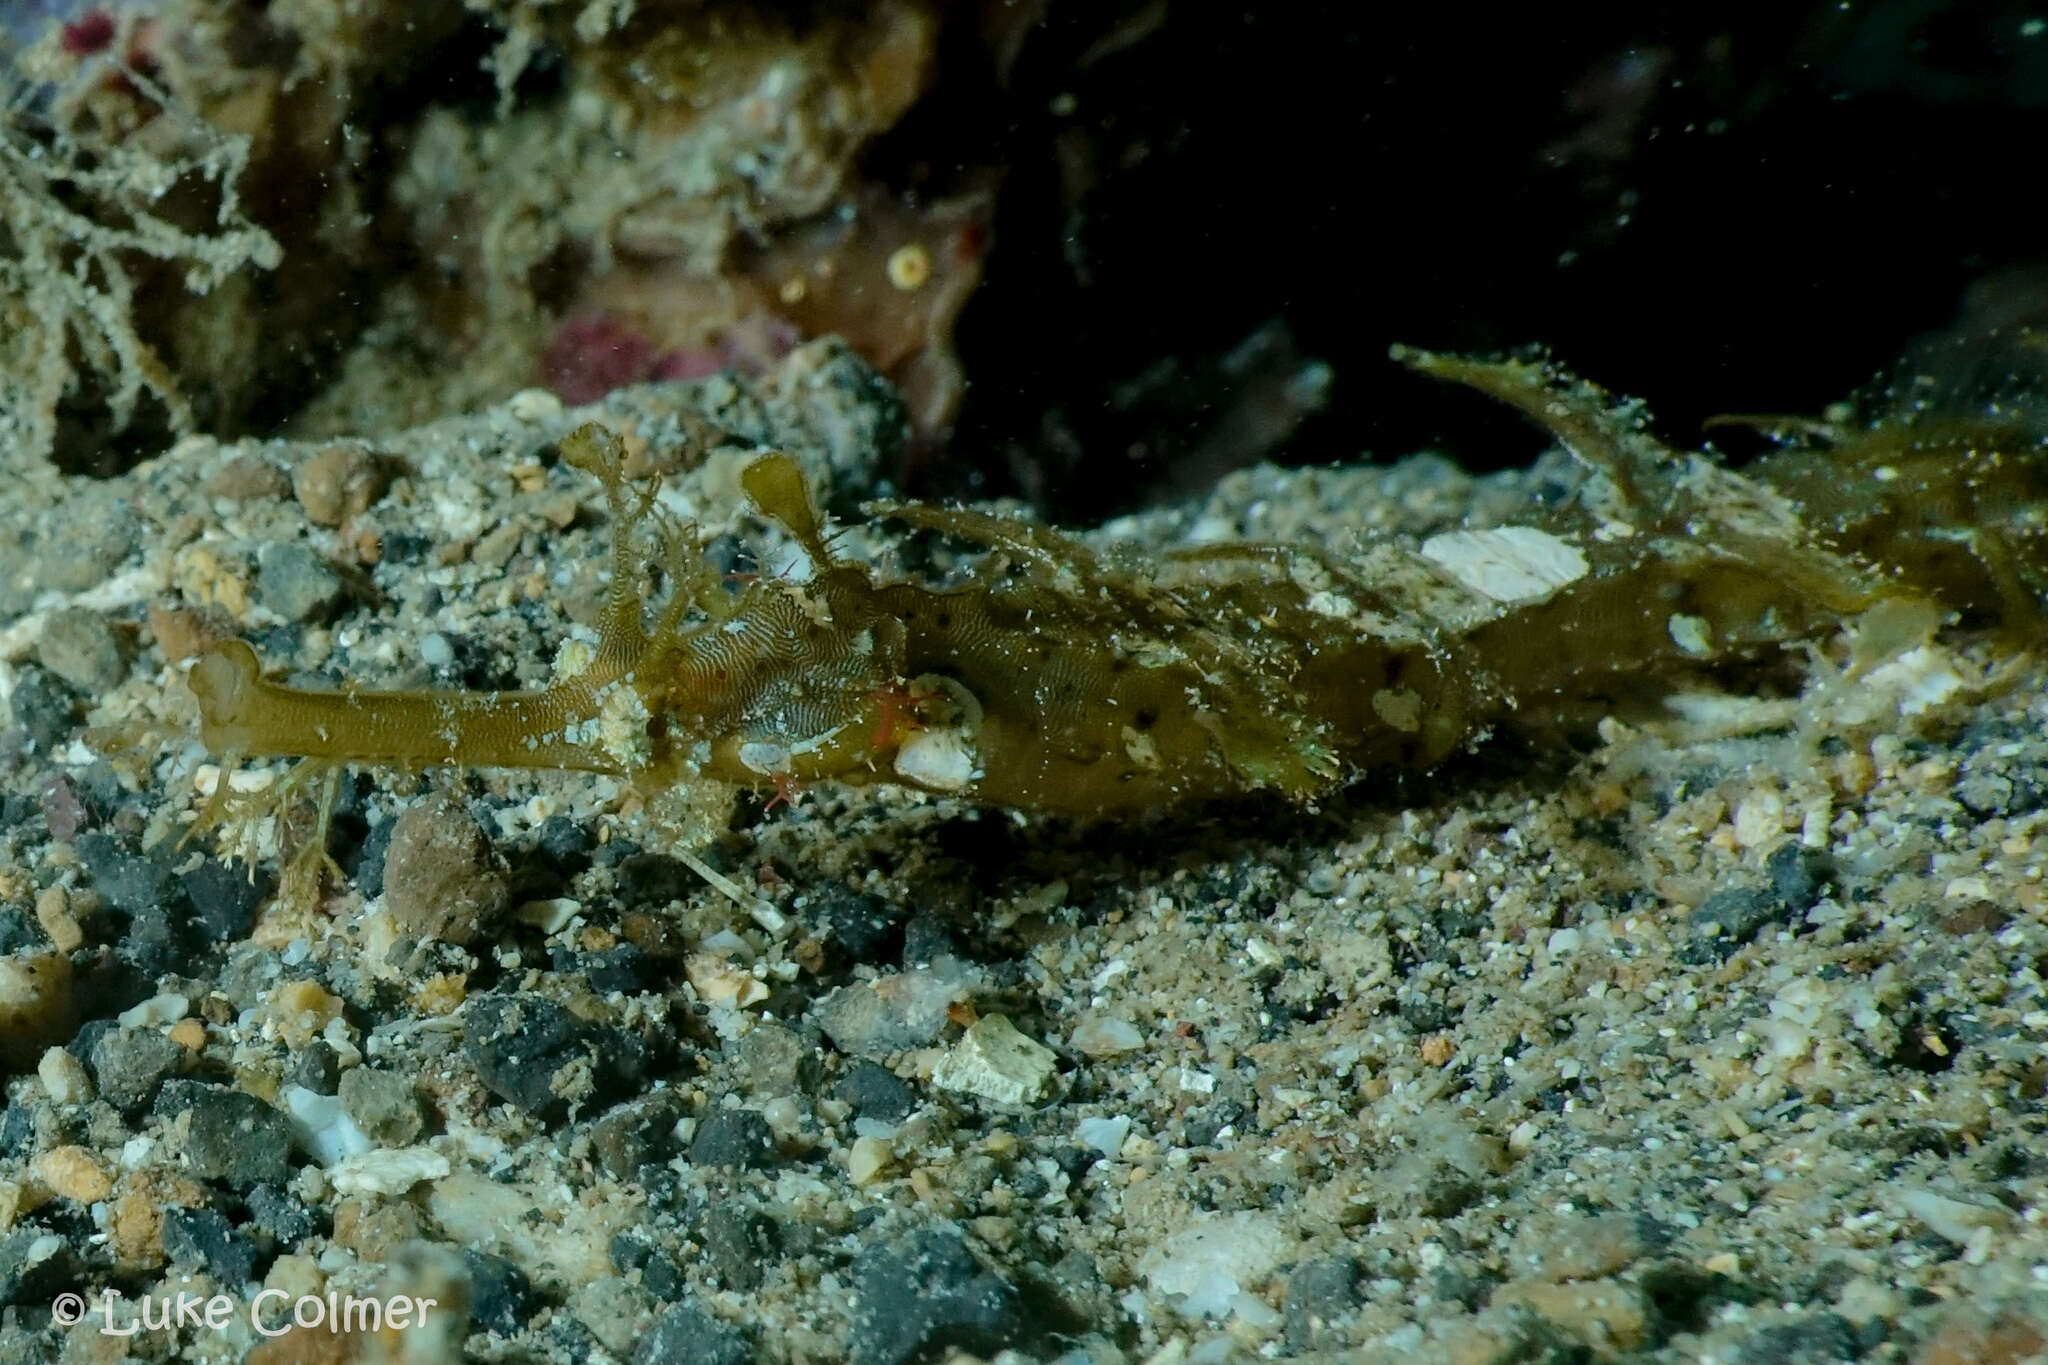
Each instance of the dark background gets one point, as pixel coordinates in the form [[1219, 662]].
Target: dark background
[[1714, 208]]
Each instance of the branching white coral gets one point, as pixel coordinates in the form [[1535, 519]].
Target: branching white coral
[[80, 210]]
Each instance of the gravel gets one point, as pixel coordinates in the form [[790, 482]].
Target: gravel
[[1700, 1041]]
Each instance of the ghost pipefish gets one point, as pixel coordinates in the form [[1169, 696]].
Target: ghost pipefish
[[1055, 678]]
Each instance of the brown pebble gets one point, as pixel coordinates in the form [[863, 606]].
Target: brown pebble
[[1586, 1247], [187, 632], [496, 549], [1478, 1341], [53, 913], [1965, 1338], [363, 542], [320, 1345], [80, 646], [301, 1009], [809, 954], [339, 481], [1976, 917], [1606, 1314], [441, 879], [135, 1220], [559, 511], [374, 1229], [652, 935], [74, 1173], [1854, 774], [247, 478]]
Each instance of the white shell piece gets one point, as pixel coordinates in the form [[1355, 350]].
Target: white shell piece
[[996, 1062], [1691, 634], [941, 759], [1507, 563], [764, 757]]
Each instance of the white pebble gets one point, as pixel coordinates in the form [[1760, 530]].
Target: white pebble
[[155, 1011], [324, 1130], [1953, 1219], [1100, 1035], [64, 1078], [1103, 1135], [997, 1063], [533, 405], [390, 1171], [1208, 1266], [1759, 818]]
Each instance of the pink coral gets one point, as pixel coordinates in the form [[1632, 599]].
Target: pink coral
[[91, 32], [594, 353]]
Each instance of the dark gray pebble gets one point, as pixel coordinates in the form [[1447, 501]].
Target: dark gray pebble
[[636, 1133], [500, 1295], [130, 1063], [44, 706], [203, 1238], [521, 1045], [686, 1335], [17, 930], [283, 1216], [1320, 1292], [660, 1276], [225, 897], [742, 1244], [79, 645], [1799, 876], [856, 926], [734, 1138], [1817, 1339], [874, 1091], [919, 1295], [296, 583], [653, 879], [317, 1068], [32, 1269], [1728, 919], [229, 1136], [97, 536]]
